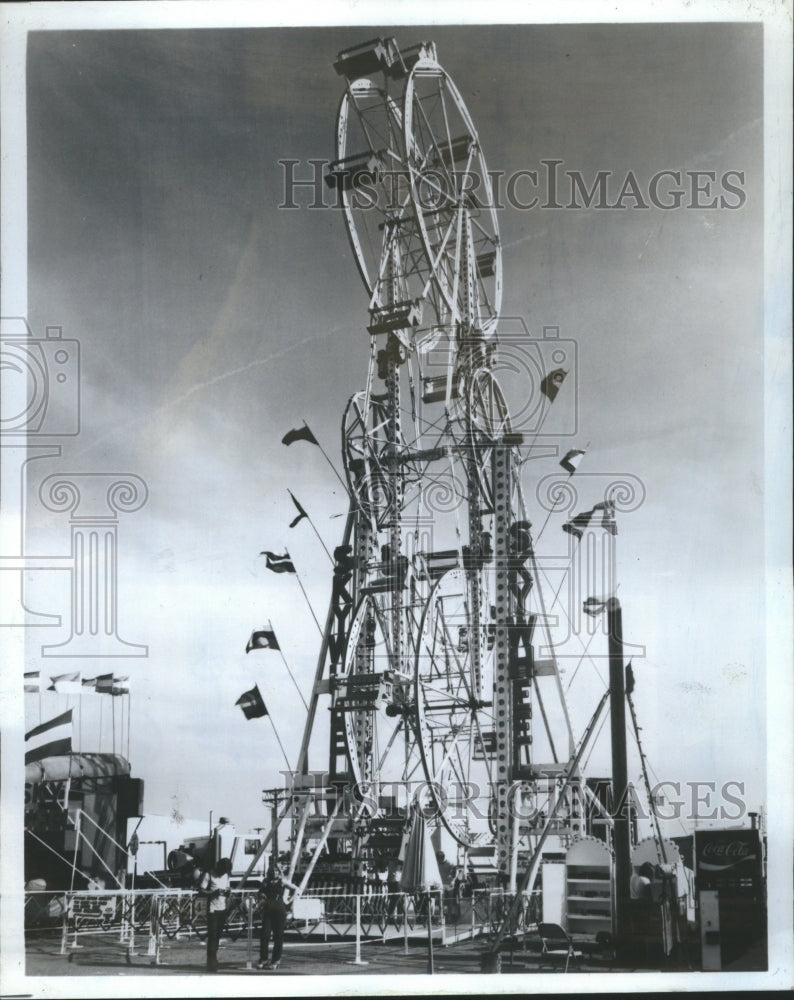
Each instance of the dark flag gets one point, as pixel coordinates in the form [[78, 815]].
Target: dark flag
[[50, 739], [550, 385], [300, 434], [265, 639], [629, 679], [593, 606], [571, 461], [301, 512], [279, 564], [608, 521], [110, 684], [252, 704], [577, 525]]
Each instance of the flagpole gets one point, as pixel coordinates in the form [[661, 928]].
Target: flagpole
[[328, 460], [113, 717], [551, 511], [314, 527], [306, 597], [286, 761], [281, 654], [321, 540]]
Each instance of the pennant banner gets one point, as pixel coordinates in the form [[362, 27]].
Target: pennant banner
[[110, 684], [279, 564], [576, 526], [593, 606], [629, 678], [301, 512], [32, 680], [66, 683], [299, 434], [571, 461], [252, 703], [50, 739], [550, 385], [264, 639]]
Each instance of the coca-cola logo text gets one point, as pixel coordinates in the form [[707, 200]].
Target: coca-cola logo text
[[733, 849]]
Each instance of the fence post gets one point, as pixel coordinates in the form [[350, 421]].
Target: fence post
[[153, 950], [128, 920], [357, 960], [65, 934], [431, 905], [249, 905]]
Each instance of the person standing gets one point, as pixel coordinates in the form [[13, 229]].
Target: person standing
[[393, 888], [274, 915], [215, 886]]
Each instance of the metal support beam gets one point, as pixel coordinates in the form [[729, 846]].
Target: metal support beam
[[620, 792]]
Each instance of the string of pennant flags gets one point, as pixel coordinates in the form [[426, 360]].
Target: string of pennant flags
[[75, 683]]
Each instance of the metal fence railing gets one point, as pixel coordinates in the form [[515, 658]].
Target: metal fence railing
[[143, 921]]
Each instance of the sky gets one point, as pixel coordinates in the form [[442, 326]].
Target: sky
[[211, 321]]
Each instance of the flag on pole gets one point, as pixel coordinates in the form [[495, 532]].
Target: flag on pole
[[608, 521], [252, 703], [66, 683], [576, 526], [593, 606], [50, 739], [300, 434], [110, 684], [301, 512], [571, 461], [550, 385], [32, 680], [279, 564], [629, 678], [264, 639]]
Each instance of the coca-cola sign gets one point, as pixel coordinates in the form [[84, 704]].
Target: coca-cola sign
[[728, 851]]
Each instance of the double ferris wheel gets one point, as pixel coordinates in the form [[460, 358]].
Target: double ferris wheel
[[429, 653]]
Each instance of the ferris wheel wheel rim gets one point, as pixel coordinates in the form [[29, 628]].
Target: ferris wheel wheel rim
[[426, 67], [359, 87], [422, 725]]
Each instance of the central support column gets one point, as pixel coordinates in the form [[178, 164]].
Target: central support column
[[502, 707]]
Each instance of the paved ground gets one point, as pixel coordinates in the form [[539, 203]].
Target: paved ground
[[102, 956]]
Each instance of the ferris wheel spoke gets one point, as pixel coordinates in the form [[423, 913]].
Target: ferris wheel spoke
[[395, 733]]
